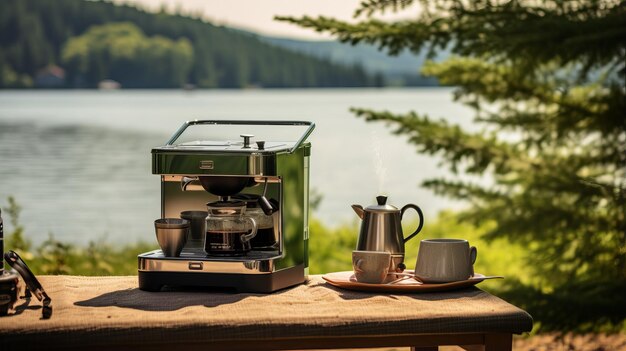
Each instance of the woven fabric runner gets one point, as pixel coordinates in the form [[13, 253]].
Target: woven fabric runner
[[109, 311]]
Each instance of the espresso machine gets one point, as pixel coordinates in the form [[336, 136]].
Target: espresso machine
[[221, 168]]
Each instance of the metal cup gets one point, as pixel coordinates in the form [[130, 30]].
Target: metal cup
[[171, 234], [197, 228]]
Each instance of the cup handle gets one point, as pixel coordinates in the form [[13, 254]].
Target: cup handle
[[357, 265], [419, 213], [473, 253], [248, 237]]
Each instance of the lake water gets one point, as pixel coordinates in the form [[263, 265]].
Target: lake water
[[78, 162]]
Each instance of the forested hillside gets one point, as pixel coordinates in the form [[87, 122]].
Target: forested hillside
[[400, 70], [77, 43]]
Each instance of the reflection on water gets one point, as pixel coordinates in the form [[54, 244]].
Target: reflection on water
[[79, 162], [78, 182]]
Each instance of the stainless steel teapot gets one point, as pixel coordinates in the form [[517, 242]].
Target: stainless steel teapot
[[381, 230]]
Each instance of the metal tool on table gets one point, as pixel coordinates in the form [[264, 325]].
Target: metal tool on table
[[10, 284], [381, 230], [251, 189], [34, 287]]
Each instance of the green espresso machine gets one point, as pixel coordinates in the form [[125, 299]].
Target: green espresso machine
[[239, 191]]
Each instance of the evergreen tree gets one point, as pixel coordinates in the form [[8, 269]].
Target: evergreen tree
[[34, 33], [546, 80]]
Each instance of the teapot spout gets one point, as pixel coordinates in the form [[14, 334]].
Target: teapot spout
[[359, 210]]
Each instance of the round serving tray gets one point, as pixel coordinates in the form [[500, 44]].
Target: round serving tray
[[347, 280]]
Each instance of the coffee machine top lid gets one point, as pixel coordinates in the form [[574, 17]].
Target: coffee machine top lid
[[238, 136]]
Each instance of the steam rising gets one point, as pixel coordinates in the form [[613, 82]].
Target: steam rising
[[379, 168]]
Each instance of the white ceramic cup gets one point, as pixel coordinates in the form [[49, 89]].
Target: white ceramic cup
[[445, 260], [371, 266]]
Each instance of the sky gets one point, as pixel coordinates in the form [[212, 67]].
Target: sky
[[257, 15]]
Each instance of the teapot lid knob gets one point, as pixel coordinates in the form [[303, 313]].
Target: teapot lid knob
[[381, 199]]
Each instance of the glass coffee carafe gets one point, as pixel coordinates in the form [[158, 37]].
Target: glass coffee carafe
[[228, 229], [265, 238]]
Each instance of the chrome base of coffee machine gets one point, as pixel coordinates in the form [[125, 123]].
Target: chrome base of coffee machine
[[257, 271]]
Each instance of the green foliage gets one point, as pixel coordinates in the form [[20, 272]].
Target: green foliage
[[581, 305], [11, 79], [121, 51], [97, 258], [148, 50], [16, 238], [495, 257], [546, 81], [330, 249], [55, 257]]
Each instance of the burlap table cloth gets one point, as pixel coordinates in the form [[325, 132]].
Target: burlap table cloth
[[110, 311]]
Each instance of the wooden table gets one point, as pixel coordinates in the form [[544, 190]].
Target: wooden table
[[112, 313]]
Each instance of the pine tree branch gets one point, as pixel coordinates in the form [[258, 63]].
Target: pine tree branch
[[520, 31], [535, 102], [369, 7]]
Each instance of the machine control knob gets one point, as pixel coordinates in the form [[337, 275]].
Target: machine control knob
[[260, 144], [246, 140]]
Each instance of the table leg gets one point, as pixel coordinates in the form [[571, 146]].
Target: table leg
[[498, 342]]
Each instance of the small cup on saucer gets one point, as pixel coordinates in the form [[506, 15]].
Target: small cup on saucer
[[371, 266]]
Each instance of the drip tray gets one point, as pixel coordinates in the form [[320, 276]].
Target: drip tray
[[199, 254], [196, 260]]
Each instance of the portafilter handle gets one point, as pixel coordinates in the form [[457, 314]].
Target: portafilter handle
[[185, 181], [265, 205]]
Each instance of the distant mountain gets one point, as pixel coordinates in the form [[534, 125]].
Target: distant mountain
[[77, 43], [397, 70]]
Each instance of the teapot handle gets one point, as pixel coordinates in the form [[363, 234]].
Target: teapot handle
[[419, 213]]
